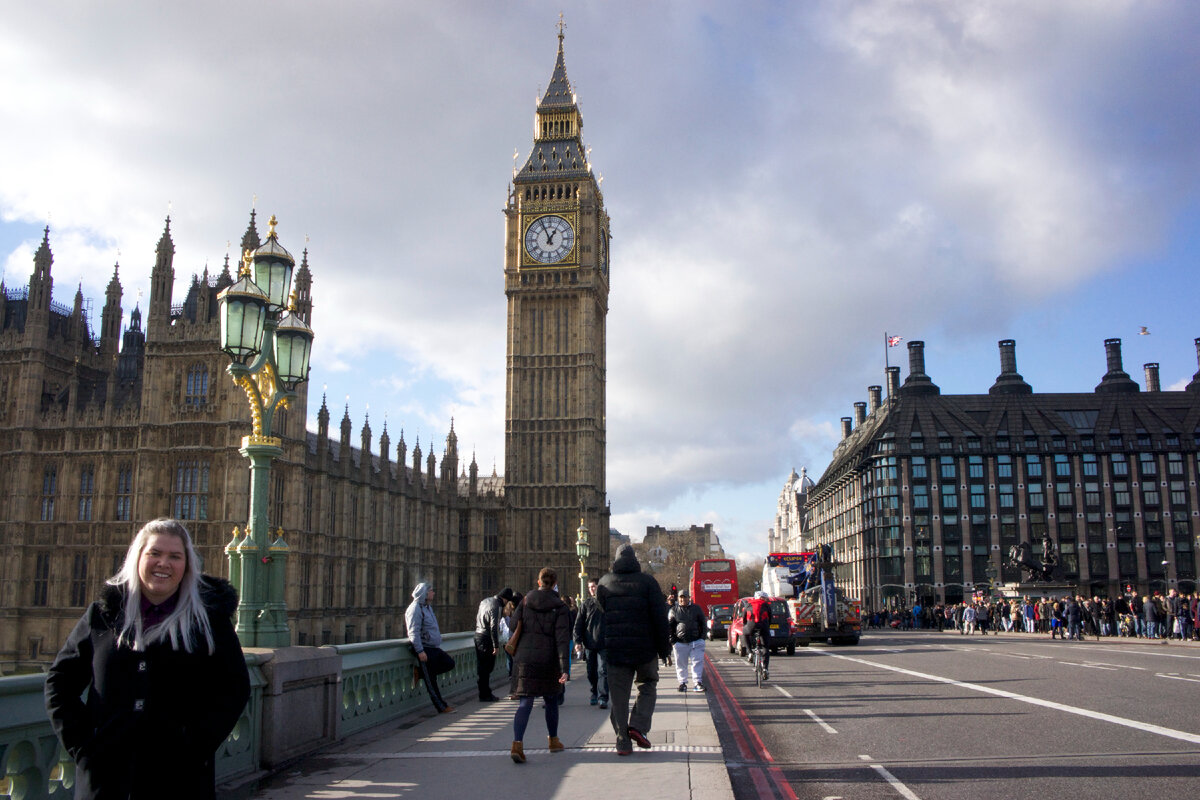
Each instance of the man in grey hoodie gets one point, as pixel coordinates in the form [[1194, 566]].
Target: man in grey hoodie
[[426, 640]]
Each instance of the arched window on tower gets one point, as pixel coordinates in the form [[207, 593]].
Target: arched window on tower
[[196, 389]]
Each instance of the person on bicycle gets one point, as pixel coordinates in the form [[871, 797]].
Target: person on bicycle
[[757, 623]]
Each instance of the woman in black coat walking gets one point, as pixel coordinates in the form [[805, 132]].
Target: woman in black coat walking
[[164, 673], [540, 664]]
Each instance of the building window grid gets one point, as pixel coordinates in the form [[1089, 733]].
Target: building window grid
[[196, 386], [124, 495], [41, 580], [49, 490], [79, 576], [87, 492], [191, 489]]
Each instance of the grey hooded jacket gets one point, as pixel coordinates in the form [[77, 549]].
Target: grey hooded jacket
[[421, 623]]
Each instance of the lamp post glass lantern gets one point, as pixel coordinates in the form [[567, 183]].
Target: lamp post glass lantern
[[582, 549], [270, 358]]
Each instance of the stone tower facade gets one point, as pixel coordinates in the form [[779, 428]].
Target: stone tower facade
[[556, 277]]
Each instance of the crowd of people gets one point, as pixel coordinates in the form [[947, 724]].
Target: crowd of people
[[1174, 615]]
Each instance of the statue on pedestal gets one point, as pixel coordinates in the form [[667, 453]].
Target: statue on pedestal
[[1021, 555]]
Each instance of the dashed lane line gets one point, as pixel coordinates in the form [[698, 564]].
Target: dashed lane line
[[824, 725], [892, 780]]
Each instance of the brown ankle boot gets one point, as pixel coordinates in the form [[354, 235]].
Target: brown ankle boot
[[518, 753], [556, 745]]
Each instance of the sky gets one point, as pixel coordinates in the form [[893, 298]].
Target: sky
[[786, 182]]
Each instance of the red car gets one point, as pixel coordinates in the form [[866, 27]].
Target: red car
[[780, 634]]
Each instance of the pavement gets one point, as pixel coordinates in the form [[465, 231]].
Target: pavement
[[466, 754]]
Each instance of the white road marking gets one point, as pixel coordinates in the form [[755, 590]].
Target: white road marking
[[828, 728], [1176, 677], [1089, 666], [1035, 701], [895, 783], [782, 691]]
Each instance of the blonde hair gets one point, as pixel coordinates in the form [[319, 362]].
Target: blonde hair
[[189, 621]]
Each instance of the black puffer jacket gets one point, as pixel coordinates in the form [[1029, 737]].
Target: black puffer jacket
[[687, 623], [153, 719], [635, 612], [544, 647]]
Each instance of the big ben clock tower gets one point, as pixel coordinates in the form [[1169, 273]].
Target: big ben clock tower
[[556, 280]]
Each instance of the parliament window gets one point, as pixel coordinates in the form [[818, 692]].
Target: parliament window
[[196, 388], [191, 489], [49, 490], [79, 575], [87, 492], [124, 492], [41, 579]]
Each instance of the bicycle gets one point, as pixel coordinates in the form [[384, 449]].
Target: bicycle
[[757, 654]]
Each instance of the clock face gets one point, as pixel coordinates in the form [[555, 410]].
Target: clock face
[[549, 239], [604, 252]]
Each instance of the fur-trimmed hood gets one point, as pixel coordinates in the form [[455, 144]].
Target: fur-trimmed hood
[[217, 595]]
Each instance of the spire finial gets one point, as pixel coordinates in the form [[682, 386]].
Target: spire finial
[[271, 223], [562, 26]]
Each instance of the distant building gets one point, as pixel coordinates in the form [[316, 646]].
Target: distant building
[[669, 552], [791, 516], [927, 492]]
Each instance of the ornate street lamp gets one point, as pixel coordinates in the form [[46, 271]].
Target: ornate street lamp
[[269, 360], [582, 549]]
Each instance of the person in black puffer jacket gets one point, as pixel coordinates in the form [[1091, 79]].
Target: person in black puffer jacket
[[687, 629], [636, 638]]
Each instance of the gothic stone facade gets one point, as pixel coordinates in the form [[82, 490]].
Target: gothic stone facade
[[927, 492]]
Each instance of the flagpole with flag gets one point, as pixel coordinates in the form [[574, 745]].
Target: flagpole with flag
[[888, 343]]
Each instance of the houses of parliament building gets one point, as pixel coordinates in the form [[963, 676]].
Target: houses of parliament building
[[100, 433]]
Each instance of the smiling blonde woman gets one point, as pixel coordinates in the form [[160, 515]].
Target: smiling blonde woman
[[164, 672]]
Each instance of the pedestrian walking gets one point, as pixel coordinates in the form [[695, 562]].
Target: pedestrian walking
[[164, 673], [487, 640], [686, 628], [635, 637], [426, 640], [589, 643], [541, 660]]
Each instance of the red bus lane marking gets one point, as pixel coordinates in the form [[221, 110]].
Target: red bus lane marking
[[768, 779]]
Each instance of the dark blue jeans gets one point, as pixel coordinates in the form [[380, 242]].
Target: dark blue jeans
[[525, 709]]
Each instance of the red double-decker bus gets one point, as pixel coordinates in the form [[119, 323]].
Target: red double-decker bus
[[713, 582]]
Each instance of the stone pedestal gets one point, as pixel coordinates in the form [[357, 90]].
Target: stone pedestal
[[301, 702]]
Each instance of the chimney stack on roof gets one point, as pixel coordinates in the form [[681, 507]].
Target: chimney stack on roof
[[845, 428], [1152, 384], [1009, 381], [874, 394], [1194, 386], [917, 381], [860, 413], [1116, 379]]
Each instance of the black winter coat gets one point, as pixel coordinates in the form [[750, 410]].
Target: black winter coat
[[589, 625], [687, 623], [543, 651], [154, 719], [635, 613]]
